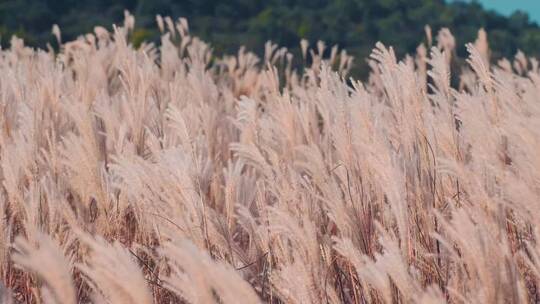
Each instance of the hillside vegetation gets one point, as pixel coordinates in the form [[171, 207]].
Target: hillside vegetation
[[355, 25], [164, 174]]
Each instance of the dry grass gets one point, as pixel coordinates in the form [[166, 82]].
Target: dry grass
[[165, 175]]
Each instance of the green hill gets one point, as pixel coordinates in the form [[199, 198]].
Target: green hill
[[352, 24]]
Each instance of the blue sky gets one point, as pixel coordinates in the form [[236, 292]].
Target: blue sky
[[507, 7]]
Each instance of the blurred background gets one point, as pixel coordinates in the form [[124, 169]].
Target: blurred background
[[507, 7], [352, 24]]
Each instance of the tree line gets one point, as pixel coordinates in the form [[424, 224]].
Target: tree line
[[352, 24]]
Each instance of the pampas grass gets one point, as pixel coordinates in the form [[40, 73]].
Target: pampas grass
[[165, 174]]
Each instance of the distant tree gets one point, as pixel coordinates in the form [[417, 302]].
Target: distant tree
[[352, 24]]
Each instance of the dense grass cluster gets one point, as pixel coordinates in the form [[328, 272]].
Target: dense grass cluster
[[165, 175]]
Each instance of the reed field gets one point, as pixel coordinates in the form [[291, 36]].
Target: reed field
[[167, 174]]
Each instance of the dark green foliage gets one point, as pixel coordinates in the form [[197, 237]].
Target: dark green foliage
[[352, 24]]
